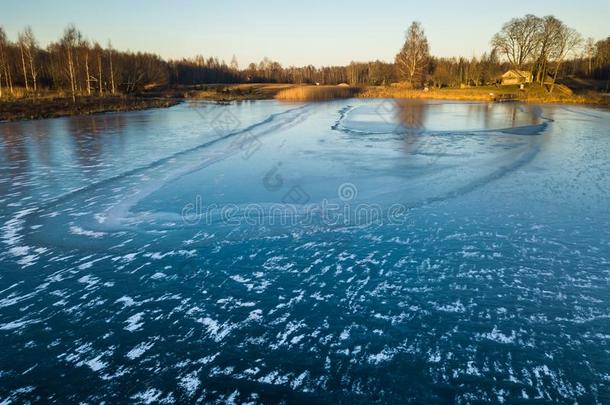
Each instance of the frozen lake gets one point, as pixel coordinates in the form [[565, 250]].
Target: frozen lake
[[353, 250]]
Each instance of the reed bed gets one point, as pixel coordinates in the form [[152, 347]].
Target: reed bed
[[316, 93]]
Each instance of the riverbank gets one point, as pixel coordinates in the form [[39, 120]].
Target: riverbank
[[291, 92], [28, 109], [51, 107], [534, 94]]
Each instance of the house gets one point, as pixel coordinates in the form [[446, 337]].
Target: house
[[515, 76], [549, 79]]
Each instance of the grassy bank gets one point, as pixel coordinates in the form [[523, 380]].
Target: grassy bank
[[49, 107], [290, 92], [534, 94]]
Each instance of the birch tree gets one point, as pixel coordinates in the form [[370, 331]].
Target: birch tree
[[31, 51], [84, 46], [22, 45], [412, 59], [69, 42], [97, 50], [5, 67], [590, 49], [3, 43], [110, 52]]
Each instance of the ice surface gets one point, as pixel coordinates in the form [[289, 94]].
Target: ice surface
[[491, 285]]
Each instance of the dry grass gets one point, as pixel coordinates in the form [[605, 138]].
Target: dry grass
[[477, 94], [533, 94], [224, 92], [316, 93], [20, 93]]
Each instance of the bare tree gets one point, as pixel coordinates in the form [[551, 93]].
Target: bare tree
[[5, 68], [21, 41], [110, 52], [3, 43], [518, 40], [475, 71], [31, 51], [547, 37], [69, 42], [566, 41], [97, 49], [490, 67], [413, 58], [602, 59], [590, 50], [84, 46]]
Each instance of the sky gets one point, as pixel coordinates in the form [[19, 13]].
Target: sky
[[293, 33]]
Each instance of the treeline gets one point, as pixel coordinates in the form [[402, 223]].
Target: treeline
[[211, 70], [590, 62], [356, 73], [454, 72], [415, 66], [544, 46], [74, 66]]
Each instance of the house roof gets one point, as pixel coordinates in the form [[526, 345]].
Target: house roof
[[518, 73]]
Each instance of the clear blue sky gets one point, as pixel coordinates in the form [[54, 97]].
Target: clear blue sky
[[293, 33]]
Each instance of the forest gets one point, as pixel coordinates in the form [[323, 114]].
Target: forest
[[75, 66]]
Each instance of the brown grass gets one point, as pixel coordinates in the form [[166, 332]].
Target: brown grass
[[476, 94], [20, 93], [224, 92], [316, 93], [533, 94]]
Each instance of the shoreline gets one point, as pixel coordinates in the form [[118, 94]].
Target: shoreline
[[488, 100], [35, 109], [490, 94], [244, 92]]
